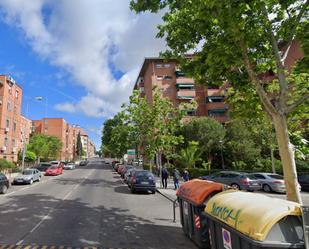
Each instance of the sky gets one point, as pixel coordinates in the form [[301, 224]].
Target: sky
[[81, 56]]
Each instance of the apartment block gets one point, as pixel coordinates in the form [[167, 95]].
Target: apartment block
[[66, 133], [14, 128], [175, 85]]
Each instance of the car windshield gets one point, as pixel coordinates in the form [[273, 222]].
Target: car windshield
[[53, 167], [274, 176], [27, 172], [53, 163], [251, 177], [144, 173]]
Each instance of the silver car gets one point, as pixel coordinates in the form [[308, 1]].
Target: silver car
[[69, 166], [271, 182], [28, 176]]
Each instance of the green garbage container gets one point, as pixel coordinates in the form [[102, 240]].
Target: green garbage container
[[192, 197], [242, 220]]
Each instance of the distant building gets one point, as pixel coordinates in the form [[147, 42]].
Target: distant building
[[179, 88], [14, 128]]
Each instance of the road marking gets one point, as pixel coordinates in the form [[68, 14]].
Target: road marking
[[19, 242]]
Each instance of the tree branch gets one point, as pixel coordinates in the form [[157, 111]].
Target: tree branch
[[293, 106], [259, 88], [281, 75], [294, 27]]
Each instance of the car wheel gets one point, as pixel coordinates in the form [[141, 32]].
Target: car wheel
[[153, 192], [266, 188], [4, 189], [235, 186], [31, 181]]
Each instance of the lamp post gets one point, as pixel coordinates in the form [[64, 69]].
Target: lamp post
[[222, 160], [40, 98]]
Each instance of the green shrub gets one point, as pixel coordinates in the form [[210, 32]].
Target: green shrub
[[8, 166]]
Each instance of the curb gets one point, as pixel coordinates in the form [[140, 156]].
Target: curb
[[164, 195]]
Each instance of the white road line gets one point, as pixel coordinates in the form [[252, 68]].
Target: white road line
[[52, 209], [19, 242]]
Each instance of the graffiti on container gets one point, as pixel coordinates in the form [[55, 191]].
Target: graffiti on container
[[230, 216]]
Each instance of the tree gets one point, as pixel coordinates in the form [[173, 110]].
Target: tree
[[245, 43], [208, 132], [79, 146], [45, 147], [29, 157], [188, 156]]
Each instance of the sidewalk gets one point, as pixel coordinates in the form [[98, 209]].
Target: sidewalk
[[169, 192]]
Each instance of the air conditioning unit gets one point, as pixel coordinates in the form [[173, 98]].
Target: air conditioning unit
[[7, 129], [3, 148]]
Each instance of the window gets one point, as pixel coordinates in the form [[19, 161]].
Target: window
[[46, 130], [7, 123], [15, 108], [14, 126], [159, 65], [6, 141], [13, 142], [185, 86], [8, 106], [167, 77], [216, 112], [16, 94], [212, 99], [46, 121], [259, 176], [167, 65], [10, 89], [159, 77]]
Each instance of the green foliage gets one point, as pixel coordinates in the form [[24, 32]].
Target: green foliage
[[7, 166], [207, 132], [45, 147], [188, 156]]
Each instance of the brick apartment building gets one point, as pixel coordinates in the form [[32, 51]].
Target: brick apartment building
[[66, 133], [15, 129], [174, 85]]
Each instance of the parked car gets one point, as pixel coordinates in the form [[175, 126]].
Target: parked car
[[69, 166], [124, 170], [128, 175], [304, 182], [28, 176], [83, 163], [4, 183], [43, 167], [143, 180], [270, 182], [120, 168], [57, 163], [116, 166], [237, 180], [54, 171]]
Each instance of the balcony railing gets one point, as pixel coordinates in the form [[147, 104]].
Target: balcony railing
[[186, 94]]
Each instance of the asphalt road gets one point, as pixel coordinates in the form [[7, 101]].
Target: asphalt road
[[87, 206]]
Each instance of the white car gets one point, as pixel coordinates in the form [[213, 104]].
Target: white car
[[69, 166]]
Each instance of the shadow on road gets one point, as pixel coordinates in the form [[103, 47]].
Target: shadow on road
[[74, 223]]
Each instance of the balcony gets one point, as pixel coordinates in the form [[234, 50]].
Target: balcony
[[186, 94], [214, 92], [184, 80]]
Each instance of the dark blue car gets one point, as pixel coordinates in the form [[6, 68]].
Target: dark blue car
[[143, 180]]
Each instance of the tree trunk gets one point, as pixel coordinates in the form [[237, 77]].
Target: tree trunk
[[286, 151], [272, 160]]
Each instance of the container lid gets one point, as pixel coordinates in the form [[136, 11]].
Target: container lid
[[251, 214], [196, 191]]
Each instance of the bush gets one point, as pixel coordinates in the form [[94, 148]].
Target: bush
[[198, 172], [8, 166]]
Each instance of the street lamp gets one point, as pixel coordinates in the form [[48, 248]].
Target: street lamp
[[40, 98], [222, 160]]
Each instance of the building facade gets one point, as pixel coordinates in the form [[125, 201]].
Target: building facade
[[175, 85], [67, 134], [15, 129]]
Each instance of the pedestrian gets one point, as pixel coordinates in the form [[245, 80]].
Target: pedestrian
[[176, 178], [164, 176], [186, 176]]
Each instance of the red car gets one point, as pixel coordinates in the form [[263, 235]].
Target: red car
[[53, 171], [57, 163], [120, 168]]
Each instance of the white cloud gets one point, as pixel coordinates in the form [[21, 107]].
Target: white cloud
[[84, 37]]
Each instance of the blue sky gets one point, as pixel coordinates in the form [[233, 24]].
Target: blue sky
[[84, 68]]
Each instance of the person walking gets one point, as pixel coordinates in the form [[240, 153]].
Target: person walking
[[176, 178], [186, 176], [164, 176]]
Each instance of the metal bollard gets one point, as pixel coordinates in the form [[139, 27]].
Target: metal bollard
[[174, 210], [305, 214]]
